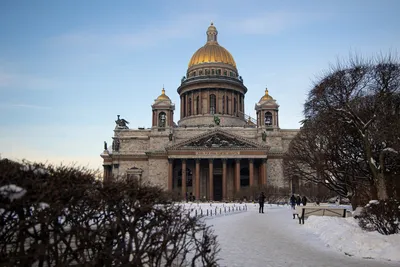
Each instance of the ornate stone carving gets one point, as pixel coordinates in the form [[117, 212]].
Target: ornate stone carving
[[219, 141]]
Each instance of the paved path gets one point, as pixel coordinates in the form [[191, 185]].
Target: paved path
[[273, 239]]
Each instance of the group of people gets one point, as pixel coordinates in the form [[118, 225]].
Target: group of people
[[297, 201]]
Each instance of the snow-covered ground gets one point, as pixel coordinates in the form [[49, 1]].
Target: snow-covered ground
[[275, 239]]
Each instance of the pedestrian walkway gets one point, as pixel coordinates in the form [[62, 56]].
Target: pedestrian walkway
[[275, 239]]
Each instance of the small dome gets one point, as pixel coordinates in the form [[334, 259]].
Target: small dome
[[266, 96], [163, 96], [212, 52]]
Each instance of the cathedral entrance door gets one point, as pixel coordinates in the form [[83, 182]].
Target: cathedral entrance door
[[217, 187]]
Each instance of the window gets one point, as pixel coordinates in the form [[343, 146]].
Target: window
[[240, 103], [234, 106], [207, 72], [162, 118], [268, 118], [194, 73], [184, 105], [200, 72], [190, 107], [212, 104], [218, 72], [227, 105], [223, 105], [213, 72], [197, 104], [225, 73]]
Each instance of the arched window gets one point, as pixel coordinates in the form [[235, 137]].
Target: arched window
[[207, 72], [200, 72], [162, 118], [225, 73], [197, 104], [213, 71], [189, 177], [268, 118], [227, 105], [244, 177], [194, 73], [213, 104], [190, 107]]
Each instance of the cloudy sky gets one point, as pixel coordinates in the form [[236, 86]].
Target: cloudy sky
[[67, 68]]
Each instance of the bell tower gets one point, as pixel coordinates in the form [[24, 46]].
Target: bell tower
[[163, 112], [267, 113]]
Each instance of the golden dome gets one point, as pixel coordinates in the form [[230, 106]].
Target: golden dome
[[212, 52], [163, 96], [266, 96]]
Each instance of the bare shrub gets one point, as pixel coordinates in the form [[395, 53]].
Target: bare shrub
[[382, 216], [66, 217]]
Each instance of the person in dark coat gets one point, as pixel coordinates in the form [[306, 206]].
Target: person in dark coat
[[261, 200], [304, 200], [293, 201], [298, 200]]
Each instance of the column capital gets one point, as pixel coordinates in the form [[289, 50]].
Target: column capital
[[264, 160], [237, 160], [197, 160], [251, 160], [183, 160], [224, 160], [170, 160], [210, 160]]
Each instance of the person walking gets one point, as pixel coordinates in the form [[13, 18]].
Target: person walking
[[293, 201], [298, 200], [304, 200], [261, 200]]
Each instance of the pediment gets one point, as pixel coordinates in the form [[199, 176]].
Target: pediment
[[217, 140]]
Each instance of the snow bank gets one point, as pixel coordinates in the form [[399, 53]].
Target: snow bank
[[344, 234]]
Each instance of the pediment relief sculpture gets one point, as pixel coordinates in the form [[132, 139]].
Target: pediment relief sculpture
[[219, 141]]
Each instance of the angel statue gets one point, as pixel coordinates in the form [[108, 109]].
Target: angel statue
[[121, 123]]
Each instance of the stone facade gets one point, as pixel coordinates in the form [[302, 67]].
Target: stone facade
[[215, 150]]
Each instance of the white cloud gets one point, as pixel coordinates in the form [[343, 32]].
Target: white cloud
[[275, 22], [138, 36], [25, 81]]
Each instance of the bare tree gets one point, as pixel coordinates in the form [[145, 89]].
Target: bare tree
[[361, 96]]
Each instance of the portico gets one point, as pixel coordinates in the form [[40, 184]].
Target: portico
[[217, 164]]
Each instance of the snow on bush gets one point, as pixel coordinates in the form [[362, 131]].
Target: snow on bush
[[382, 216], [12, 192]]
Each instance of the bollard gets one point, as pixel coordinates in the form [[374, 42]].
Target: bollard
[[201, 212], [195, 213], [207, 212]]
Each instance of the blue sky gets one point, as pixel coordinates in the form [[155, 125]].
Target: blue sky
[[67, 68]]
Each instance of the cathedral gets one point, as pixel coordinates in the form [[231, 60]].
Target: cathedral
[[214, 150]]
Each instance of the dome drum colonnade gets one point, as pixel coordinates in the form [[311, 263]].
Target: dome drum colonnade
[[212, 87]]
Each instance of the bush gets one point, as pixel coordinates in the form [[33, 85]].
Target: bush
[[63, 216], [381, 216]]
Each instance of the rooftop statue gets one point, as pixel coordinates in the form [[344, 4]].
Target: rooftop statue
[[121, 123]]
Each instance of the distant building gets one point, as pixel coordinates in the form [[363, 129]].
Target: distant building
[[215, 150]]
